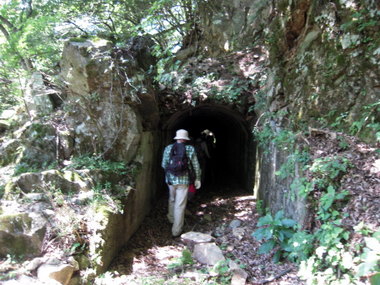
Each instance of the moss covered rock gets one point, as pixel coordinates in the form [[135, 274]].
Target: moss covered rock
[[9, 150], [65, 181], [21, 234]]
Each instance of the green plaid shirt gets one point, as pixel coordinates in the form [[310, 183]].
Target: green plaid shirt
[[175, 180]]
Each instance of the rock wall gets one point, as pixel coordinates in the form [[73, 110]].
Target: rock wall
[[324, 59], [276, 191], [99, 118], [322, 70], [112, 111], [118, 228], [233, 25], [108, 112]]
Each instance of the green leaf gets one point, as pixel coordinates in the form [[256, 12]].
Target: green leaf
[[346, 235], [277, 256], [277, 223], [74, 247], [279, 215], [375, 279], [328, 198], [266, 220], [267, 247], [288, 233], [259, 233], [288, 223], [263, 233], [281, 236]]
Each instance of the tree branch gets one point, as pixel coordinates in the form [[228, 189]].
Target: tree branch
[[76, 26], [133, 21], [25, 62], [5, 32], [30, 9], [9, 24]]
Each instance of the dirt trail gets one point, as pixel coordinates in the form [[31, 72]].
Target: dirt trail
[[152, 248]]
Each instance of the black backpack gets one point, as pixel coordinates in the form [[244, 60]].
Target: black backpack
[[178, 161]]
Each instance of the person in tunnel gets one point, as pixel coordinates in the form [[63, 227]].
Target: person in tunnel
[[178, 182], [210, 165], [203, 154]]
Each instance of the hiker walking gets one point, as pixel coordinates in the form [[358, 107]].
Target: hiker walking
[[181, 167], [203, 154], [210, 144]]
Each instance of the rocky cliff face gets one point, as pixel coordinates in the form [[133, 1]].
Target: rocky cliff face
[[323, 57], [289, 65], [108, 115], [323, 71], [108, 94]]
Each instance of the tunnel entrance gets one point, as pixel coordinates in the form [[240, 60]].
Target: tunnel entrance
[[231, 149]]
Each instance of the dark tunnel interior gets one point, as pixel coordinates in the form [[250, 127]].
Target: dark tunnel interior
[[230, 145]]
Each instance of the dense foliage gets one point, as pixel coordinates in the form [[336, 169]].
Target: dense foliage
[[32, 32]]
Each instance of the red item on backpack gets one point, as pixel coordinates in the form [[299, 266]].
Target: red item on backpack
[[192, 188], [191, 193]]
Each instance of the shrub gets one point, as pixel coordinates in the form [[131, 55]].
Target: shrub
[[276, 232]]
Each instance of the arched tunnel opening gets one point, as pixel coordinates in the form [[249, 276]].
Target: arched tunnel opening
[[230, 145]]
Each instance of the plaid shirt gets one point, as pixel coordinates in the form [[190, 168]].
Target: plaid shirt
[[175, 180]]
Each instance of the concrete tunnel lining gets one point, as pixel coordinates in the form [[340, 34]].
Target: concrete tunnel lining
[[232, 159]]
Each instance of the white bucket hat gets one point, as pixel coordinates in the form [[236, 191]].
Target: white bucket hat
[[182, 135]]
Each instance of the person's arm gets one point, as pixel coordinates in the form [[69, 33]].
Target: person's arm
[[196, 166], [205, 148], [165, 157]]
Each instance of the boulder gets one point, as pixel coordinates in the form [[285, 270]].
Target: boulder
[[9, 151], [21, 234], [208, 253], [8, 114], [66, 143], [239, 276], [37, 96], [36, 146], [239, 232], [55, 273], [235, 224], [5, 177], [102, 115], [7, 117], [66, 181], [196, 237]]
